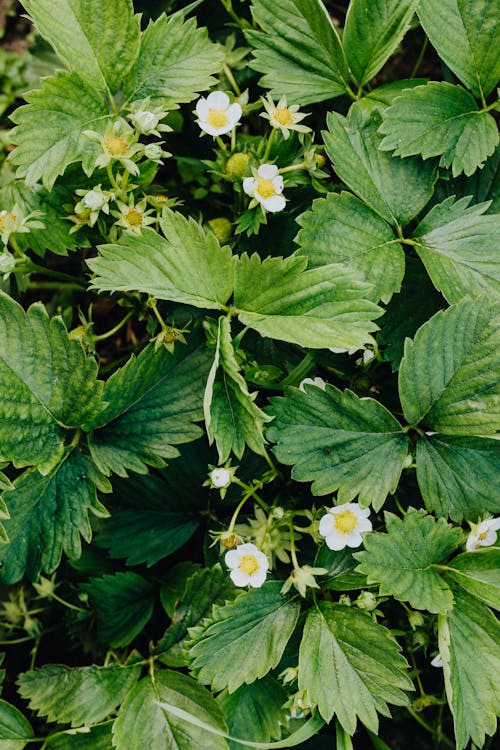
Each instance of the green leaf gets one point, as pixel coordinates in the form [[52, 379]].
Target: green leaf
[[482, 186], [340, 442], [53, 380], [477, 573], [402, 560], [469, 645], [351, 666], [372, 33], [15, 730], [458, 476], [255, 712], [98, 738], [317, 308], [341, 229], [49, 128], [245, 639], [460, 249], [123, 604], [49, 515], [448, 377], [142, 723], [465, 34], [189, 266], [440, 119], [176, 60], [97, 40], [153, 401], [77, 696], [232, 418], [340, 567], [298, 51], [396, 189]]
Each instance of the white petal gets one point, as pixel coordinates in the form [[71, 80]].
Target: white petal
[[247, 549], [437, 661], [249, 185], [326, 525], [239, 578], [278, 183], [354, 539], [267, 171], [213, 131], [364, 524], [489, 539], [232, 558], [234, 113], [336, 541], [274, 203], [492, 524], [471, 542], [202, 108], [218, 100], [257, 579], [364, 512], [262, 560]]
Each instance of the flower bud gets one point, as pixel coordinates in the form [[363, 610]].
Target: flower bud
[[222, 228], [237, 165]]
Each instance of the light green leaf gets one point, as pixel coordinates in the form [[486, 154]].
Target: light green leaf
[[351, 666], [49, 515], [372, 32], [245, 639], [448, 378], [466, 35], [176, 60], [98, 738], [232, 418], [298, 51], [255, 712], [469, 644], [77, 696], [142, 723], [123, 604], [15, 730], [153, 401], [340, 442], [458, 476], [396, 189], [478, 574], [97, 40], [189, 266], [341, 229], [49, 128], [317, 308], [401, 560], [460, 249], [440, 119]]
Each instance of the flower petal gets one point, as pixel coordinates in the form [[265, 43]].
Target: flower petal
[[274, 203], [239, 578], [326, 524], [262, 560], [232, 558], [354, 539], [267, 171], [249, 185], [234, 113], [257, 579], [336, 541], [218, 100], [202, 108]]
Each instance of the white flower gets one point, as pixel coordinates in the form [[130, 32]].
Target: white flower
[[216, 115], [483, 534], [221, 477], [95, 199], [282, 117], [248, 565], [343, 525], [144, 121], [437, 661], [266, 188]]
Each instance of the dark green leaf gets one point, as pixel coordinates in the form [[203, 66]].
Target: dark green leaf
[[255, 712], [340, 567], [15, 730], [99, 738]]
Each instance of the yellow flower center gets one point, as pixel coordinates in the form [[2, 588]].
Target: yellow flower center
[[217, 118], [345, 522], [283, 116], [134, 218], [3, 218], [248, 565], [483, 535], [265, 188], [115, 146]]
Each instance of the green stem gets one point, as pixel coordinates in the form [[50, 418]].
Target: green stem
[[293, 549], [299, 372], [236, 513], [268, 146], [351, 93], [56, 285], [229, 75], [428, 727], [240, 22], [252, 492], [292, 168], [31, 267], [222, 145], [111, 178], [108, 334], [67, 604], [420, 58], [152, 304]]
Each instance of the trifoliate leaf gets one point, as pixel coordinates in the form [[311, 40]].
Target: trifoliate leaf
[[469, 644], [245, 639], [298, 51], [341, 229], [255, 712], [15, 729], [396, 189], [402, 560], [318, 308], [123, 604], [98, 738], [49, 128], [448, 378], [176, 60], [142, 723], [351, 666], [477, 573], [53, 380], [482, 186], [460, 249], [340, 442], [370, 38], [189, 266], [77, 696], [465, 34], [440, 119], [153, 401], [232, 418], [458, 476], [48, 516]]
